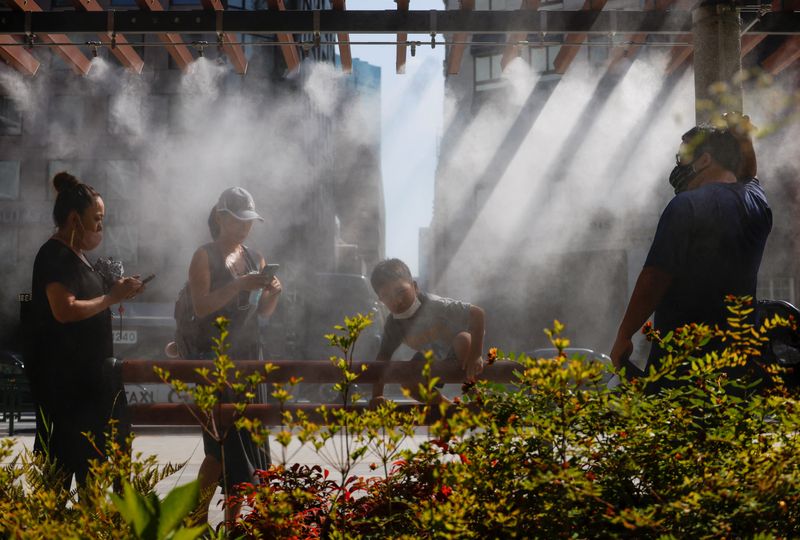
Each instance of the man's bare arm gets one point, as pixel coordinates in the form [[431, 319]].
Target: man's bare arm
[[650, 288], [741, 128], [474, 363]]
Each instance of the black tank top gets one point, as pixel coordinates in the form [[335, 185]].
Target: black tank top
[[243, 326]]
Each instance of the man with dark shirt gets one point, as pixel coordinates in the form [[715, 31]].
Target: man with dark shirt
[[709, 240]]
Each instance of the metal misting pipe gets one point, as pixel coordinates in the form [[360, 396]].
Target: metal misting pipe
[[314, 43]]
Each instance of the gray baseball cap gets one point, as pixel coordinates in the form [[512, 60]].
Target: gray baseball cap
[[239, 203]]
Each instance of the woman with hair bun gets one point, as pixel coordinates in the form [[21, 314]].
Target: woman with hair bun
[[70, 334]]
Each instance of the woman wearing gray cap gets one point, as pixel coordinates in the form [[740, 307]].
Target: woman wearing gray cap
[[222, 276]]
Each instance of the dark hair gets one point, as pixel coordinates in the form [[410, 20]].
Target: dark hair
[[387, 271], [720, 144], [72, 195], [213, 224]]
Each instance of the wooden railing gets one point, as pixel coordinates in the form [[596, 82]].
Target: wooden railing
[[134, 371]]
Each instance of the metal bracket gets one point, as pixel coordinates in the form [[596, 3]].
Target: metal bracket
[[29, 37], [613, 24], [433, 28], [542, 25], [111, 31], [317, 38]]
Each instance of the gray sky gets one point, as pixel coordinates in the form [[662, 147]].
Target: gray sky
[[411, 119]]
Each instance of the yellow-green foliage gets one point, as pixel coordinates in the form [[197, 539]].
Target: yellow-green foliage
[[558, 455], [34, 504], [553, 455]]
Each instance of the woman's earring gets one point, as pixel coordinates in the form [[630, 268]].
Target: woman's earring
[[72, 239]]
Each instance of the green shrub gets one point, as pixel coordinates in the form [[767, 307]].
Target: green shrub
[[553, 455], [562, 456], [34, 504]]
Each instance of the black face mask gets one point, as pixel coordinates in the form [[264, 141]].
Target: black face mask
[[680, 177]]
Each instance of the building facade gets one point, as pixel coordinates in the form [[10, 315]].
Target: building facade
[[551, 180], [161, 145]]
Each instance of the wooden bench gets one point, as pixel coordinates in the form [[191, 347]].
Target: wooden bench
[[408, 373]]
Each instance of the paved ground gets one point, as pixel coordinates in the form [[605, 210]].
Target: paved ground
[[172, 445]]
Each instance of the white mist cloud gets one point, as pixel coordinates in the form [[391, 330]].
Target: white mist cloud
[[192, 136], [565, 221]]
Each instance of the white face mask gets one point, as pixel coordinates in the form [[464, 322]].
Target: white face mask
[[407, 314]]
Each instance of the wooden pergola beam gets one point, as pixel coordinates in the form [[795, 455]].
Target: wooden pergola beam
[[71, 54], [567, 54], [789, 51], [230, 46], [17, 57], [124, 53], [288, 48], [749, 42], [783, 57], [174, 43], [512, 49], [460, 43], [402, 41], [679, 55], [344, 41]]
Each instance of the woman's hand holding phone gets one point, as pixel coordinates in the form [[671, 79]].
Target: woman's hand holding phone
[[275, 287]]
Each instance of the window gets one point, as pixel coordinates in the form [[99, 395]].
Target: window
[[10, 117], [496, 5], [776, 288], [8, 247], [122, 179], [9, 180], [121, 242], [124, 3], [312, 4], [176, 113], [543, 58], [67, 112], [488, 71], [598, 51], [156, 107]]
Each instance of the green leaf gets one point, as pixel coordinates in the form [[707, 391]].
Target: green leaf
[[140, 512], [177, 505], [189, 534]]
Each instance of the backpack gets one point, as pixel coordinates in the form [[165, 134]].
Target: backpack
[[187, 327], [189, 330]]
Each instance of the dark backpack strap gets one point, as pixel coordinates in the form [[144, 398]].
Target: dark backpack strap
[[251, 263]]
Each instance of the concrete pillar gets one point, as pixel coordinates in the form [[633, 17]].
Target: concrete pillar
[[716, 31]]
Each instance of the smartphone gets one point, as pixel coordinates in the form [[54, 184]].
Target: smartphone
[[270, 270], [148, 279]]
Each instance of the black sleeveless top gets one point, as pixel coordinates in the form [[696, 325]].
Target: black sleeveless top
[[243, 326]]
